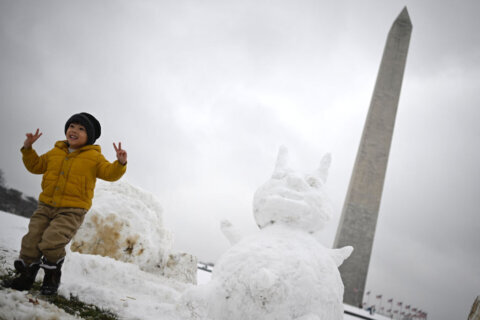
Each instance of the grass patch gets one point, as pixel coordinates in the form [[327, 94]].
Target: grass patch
[[72, 305]]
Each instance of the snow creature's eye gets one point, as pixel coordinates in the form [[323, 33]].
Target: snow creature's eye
[[313, 182]]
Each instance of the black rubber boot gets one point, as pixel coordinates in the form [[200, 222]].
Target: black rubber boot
[[51, 280], [25, 276]]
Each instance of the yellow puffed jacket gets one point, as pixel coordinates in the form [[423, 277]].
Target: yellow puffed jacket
[[69, 177]]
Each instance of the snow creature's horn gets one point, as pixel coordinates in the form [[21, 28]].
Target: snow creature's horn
[[281, 165], [322, 171], [339, 255]]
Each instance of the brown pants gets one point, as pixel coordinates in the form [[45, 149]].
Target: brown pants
[[49, 231]]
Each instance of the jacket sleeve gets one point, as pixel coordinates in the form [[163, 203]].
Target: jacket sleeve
[[109, 171], [33, 162]]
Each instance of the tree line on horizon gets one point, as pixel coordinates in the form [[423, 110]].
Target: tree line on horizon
[[13, 201]]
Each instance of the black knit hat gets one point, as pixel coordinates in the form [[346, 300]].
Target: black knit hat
[[89, 122]]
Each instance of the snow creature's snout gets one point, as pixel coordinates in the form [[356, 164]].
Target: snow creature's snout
[[294, 199]]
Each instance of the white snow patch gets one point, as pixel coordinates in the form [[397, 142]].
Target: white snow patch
[[120, 287], [13, 229]]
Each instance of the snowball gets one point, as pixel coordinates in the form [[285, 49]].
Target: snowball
[[125, 223], [278, 273]]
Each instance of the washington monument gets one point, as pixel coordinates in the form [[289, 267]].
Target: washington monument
[[360, 211]]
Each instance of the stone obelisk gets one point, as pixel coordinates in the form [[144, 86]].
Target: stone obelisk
[[360, 211]]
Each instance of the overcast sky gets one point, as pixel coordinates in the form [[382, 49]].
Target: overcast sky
[[202, 93]]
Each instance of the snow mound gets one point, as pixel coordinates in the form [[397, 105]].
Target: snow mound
[[120, 287], [125, 223], [282, 272]]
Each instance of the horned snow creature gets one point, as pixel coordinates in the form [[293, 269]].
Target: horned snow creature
[[282, 272]]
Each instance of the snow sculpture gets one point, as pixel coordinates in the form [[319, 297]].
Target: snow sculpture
[[125, 223], [282, 272]]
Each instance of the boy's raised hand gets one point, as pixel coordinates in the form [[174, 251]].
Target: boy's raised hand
[[31, 138], [121, 154]]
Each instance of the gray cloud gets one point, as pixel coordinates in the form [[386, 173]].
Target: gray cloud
[[203, 93]]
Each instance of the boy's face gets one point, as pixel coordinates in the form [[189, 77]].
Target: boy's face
[[76, 135]]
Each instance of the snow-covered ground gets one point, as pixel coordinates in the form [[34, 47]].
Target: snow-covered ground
[[360, 314], [117, 286]]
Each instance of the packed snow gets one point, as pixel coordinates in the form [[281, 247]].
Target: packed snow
[[126, 224], [280, 272]]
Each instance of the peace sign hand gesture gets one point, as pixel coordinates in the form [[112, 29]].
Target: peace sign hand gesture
[[121, 154], [31, 138]]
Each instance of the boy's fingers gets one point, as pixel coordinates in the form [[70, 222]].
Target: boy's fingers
[[119, 148]]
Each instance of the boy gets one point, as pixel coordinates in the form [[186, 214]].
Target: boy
[[69, 173]]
